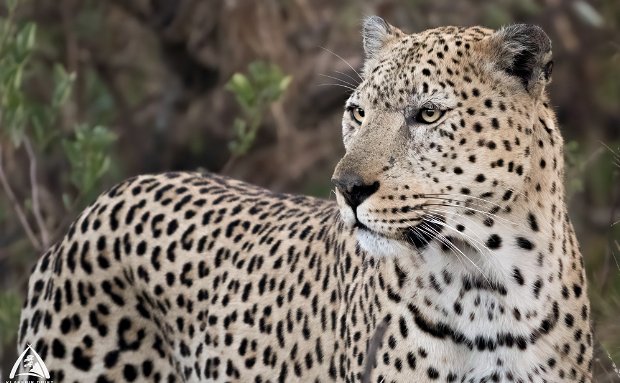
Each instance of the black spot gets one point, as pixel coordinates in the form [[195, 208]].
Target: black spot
[[537, 287], [172, 227], [141, 248], [404, 331], [565, 292], [519, 170], [432, 373], [577, 290], [494, 241], [110, 359], [516, 274], [411, 360], [524, 243], [103, 262], [129, 373], [533, 223], [458, 308], [147, 367], [58, 349], [65, 325], [495, 123], [80, 361]]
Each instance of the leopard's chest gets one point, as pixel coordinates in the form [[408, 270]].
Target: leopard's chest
[[442, 322]]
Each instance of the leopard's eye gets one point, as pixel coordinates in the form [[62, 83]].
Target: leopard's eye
[[428, 116], [357, 114]]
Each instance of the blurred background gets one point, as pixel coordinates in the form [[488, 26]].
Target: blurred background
[[92, 92]]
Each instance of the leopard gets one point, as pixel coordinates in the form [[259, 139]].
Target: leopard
[[448, 254]]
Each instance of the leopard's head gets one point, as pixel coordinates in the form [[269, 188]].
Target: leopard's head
[[441, 118]]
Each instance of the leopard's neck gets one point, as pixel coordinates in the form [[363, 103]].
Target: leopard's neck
[[482, 325]]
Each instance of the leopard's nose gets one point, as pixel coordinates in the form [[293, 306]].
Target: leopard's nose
[[354, 189]]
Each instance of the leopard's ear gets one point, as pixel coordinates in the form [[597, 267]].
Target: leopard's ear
[[377, 33], [523, 51]]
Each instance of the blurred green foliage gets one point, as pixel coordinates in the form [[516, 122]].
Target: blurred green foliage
[[16, 45], [87, 152], [263, 85], [9, 316], [34, 126]]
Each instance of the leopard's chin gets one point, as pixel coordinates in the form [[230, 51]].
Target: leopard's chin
[[379, 245]]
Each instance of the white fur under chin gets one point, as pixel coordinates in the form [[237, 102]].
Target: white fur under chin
[[379, 246]]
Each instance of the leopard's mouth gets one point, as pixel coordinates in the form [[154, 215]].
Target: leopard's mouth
[[365, 229], [417, 236]]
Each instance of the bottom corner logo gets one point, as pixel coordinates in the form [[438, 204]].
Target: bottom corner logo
[[31, 365]]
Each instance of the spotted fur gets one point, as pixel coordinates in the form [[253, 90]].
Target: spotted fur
[[449, 257]]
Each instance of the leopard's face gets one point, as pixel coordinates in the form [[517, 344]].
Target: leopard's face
[[437, 123]]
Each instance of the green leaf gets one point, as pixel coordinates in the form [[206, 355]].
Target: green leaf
[[242, 89], [42, 123], [24, 42], [255, 92], [87, 155], [237, 146], [63, 83], [285, 82], [29, 35], [17, 75]]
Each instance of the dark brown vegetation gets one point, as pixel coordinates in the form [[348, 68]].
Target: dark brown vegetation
[[154, 72]]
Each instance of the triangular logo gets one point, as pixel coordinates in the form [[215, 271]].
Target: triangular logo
[[31, 365]]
